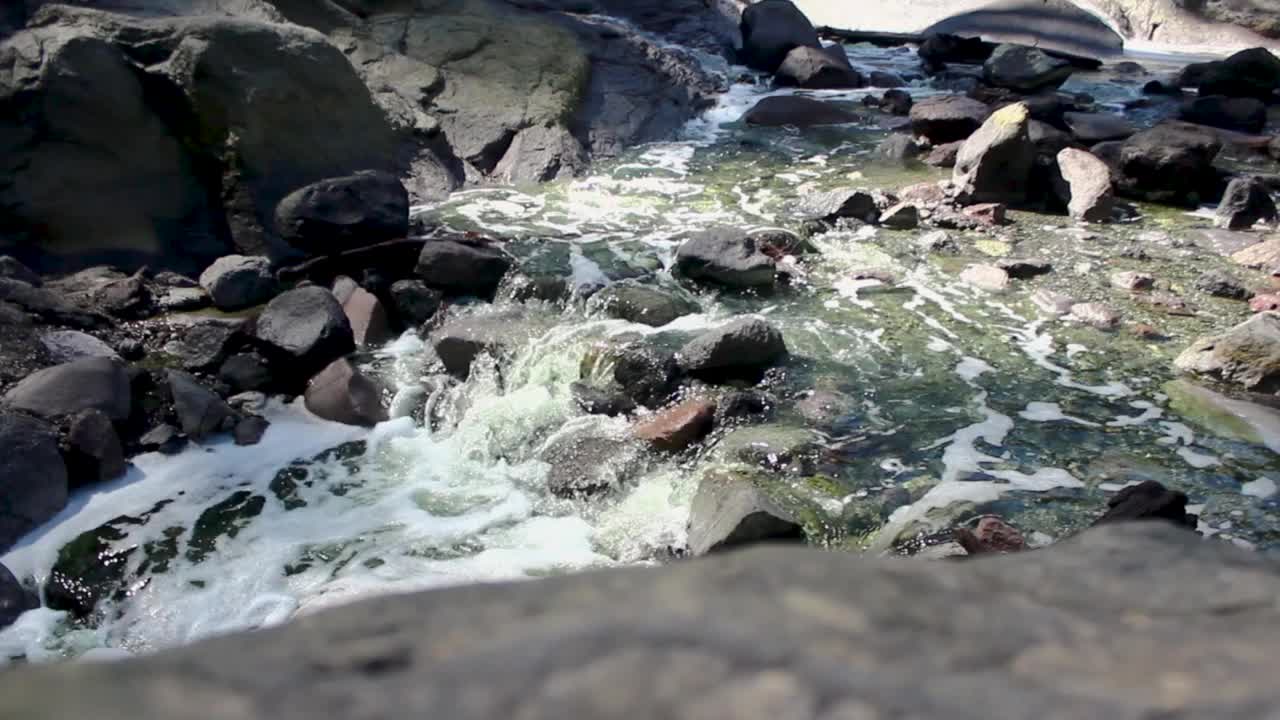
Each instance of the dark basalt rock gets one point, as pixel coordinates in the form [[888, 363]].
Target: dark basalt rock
[[1148, 500], [93, 383], [725, 256], [1247, 115], [947, 118], [797, 111], [463, 268], [336, 214], [745, 345], [770, 30], [1246, 201], [33, 478], [14, 598], [306, 329]]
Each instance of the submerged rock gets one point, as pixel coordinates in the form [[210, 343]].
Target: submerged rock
[[33, 478], [797, 111], [725, 256], [459, 342], [643, 372], [1093, 128], [584, 465], [1246, 201], [1247, 355], [770, 30], [639, 303], [1098, 315], [1132, 281], [990, 535], [14, 598], [987, 277], [994, 165], [1148, 500], [610, 401], [1260, 256], [746, 345], [947, 118], [1025, 69], [1221, 284], [730, 511]]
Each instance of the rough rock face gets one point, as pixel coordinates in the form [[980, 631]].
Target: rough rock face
[[308, 327], [93, 383], [725, 256], [1252, 73], [463, 268], [780, 110], [236, 282], [1025, 69], [1088, 185], [1247, 355], [200, 411], [809, 67], [640, 303], [994, 164], [33, 478], [1246, 201], [742, 345], [1242, 114], [338, 214], [729, 511], [343, 394], [770, 30], [947, 118], [1172, 162]]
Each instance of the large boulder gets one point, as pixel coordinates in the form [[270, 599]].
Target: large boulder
[[92, 383], [1093, 128], [93, 450], [33, 478], [459, 267], [199, 410], [1088, 185], [1025, 69], [770, 30], [947, 118], [746, 345], [725, 256], [343, 394], [337, 214], [460, 341], [306, 328], [994, 164], [1247, 355], [14, 598], [639, 303], [730, 511], [797, 111], [236, 282], [1172, 163], [1252, 73], [814, 68], [1246, 201], [369, 319], [1241, 114]]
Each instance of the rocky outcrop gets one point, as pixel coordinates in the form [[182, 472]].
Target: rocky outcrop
[[1247, 355], [994, 164]]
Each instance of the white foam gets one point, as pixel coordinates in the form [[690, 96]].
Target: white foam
[[1051, 412], [1262, 488]]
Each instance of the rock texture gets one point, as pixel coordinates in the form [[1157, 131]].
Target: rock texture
[[725, 256], [994, 164], [33, 478], [1247, 355], [1088, 185]]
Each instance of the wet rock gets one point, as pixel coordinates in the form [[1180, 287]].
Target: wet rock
[[1273, 148], [938, 241], [897, 149], [1245, 115], [745, 345], [246, 372], [845, 203], [370, 323], [205, 346], [1171, 163], [339, 213], [990, 214], [1024, 268], [1252, 73], [944, 48], [459, 342], [902, 216], [1025, 69], [182, 299], [743, 406], [1246, 201], [66, 345], [236, 282], [725, 256], [1048, 139], [164, 439], [1260, 256], [14, 598], [462, 268], [542, 154], [1148, 500], [33, 478], [584, 465], [1247, 355], [883, 79], [1265, 303], [644, 373], [1098, 315], [1088, 185], [778, 243], [249, 430], [601, 401], [995, 163], [895, 102], [12, 269], [1147, 332], [47, 305], [1093, 128], [990, 535], [308, 327], [947, 118], [823, 408], [415, 303], [987, 277], [797, 111], [342, 393], [92, 383], [94, 453], [1052, 303], [200, 412], [812, 68], [774, 446], [635, 302], [770, 30], [729, 511], [944, 155], [676, 428], [1132, 281], [1221, 284]]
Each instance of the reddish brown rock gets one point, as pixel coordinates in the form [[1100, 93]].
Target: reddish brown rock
[[678, 427], [992, 535], [990, 214], [1265, 303], [370, 323]]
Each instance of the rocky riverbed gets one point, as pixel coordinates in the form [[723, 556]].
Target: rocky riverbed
[[940, 300]]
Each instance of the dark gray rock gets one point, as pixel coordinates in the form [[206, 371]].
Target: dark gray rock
[[461, 268], [940, 49], [845, 203], [896, 102], [770, 30], [1247, 115], [797, 111], [1049, 140], [236, 282], [947, 118], [14, 270], [1025, 69], [944, 155], [593, 400], [584, 464], [94, 453], [66, 345], [340, 213], [1024, 268], [306, 326], [415, 303], [1171, 163], [48, 305], [1252, 73], [63, 390], [246, 372], [725, 256], [342, 393], [775, 242], [730, 511], [994, 165], [903, 216], [744, 345], [14, 598], [1148, 500], [164, 439], [205, 346], [639, 303], [33, 478], [459, 341], [823, 408], [1093, 128], [199, 410], [883, 79], [1222, 284], [1273, 149], [250, 430], [1246, 201], [644, 373], [812, 68]]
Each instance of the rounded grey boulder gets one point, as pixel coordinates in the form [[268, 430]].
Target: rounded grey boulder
[[770, 30], [462, 268], [33, 478], [725, 256], [344, 212], [236, 282], [307, 325], [1025, 69], [638, 303], [745, 344], [93, 383]]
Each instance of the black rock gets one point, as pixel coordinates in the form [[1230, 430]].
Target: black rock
[[92, 383], [896, 102], [164, 439], [844, 203], [1171, 163], [236, 282], [639, 303], [1247, 115], [1221, 284], [797, 111], [14, 598], [1148, 500], [1024, 269], [204, 347], [644, 373], [725, 256], [1025, 69], [340, 213], [33, 478], [250, 429], [307, 329], [414, 302], [938, 50], [743, 406], [947, 118], [459, 268], [601, 401], [1093, 128], [246, 372], [1252, 73], [743, 346], [812, 68], [200, 411], [770, 30], [94, 453], [1246, 201]]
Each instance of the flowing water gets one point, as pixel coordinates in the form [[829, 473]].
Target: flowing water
[[961, 402]]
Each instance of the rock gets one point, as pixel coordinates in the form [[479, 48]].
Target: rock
[[460, 340], [643, 373], [1025, 69], [883, 79], [249, 430], [779, 243], [307, 326], [770, 30], [205, 346], [994, 165], [745, 345], [938, 241], [1260, 256], [824, 408], [1089, 186], [415, 303], [945, 48], [94, 453], [246, 372], [897, 149], [1132, 281], [635, 302], [342, 393], [990, 214], [1273, 148], [181, 299], [812, 68], [675, 429], [1093, 128], [1241, 114], [944, 155], [14, 270], [1221, 284], [1049, 140], [542, 154], [47, 305], [236, 282], [461, 268], [583, 465], [729, 511], [1246, 202], [1024, 268], [1096, 314], [339, 213], [1247, 355], [199, 410], [1148, 500], [33, 478], [797, 111], [1172, 162], [599, 401], [845, 203], [1265, 303], [92, 383], [987, 277], [370, 323], [740, 406], [947, 118], [902, 216], [725, 256], [991, 535], [66, 345], [14, 598], [1252, 73], [895, 102], [1053, 303], [164, 439]]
